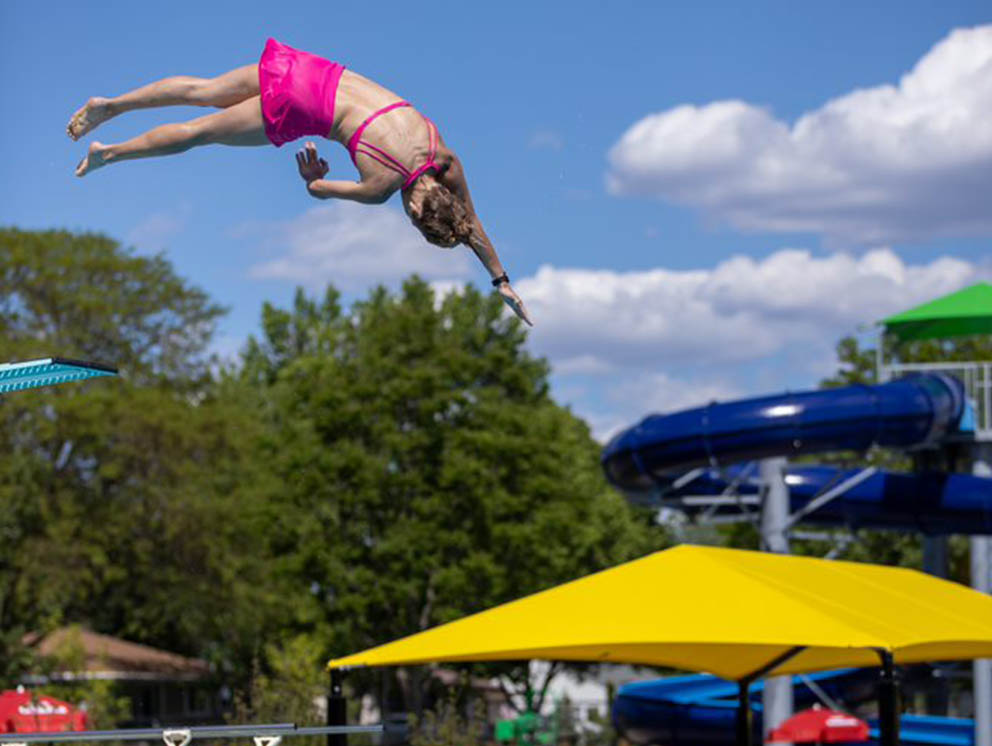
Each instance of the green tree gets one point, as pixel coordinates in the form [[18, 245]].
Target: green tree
[[126, 503], [83, 295], [450, 723], [289, 689], [857, 363], [426, 472]]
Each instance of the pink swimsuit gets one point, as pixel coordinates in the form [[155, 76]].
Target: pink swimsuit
[[298, 91]]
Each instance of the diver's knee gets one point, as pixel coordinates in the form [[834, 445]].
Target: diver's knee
[[200, 91], [185, 136]]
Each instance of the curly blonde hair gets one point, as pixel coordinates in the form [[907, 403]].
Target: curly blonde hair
[[441, 217]]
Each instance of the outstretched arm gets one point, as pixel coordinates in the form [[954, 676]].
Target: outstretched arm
[[454, 179], [356, 191], [313, 169]]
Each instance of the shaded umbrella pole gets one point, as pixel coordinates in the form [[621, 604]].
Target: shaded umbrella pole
[[745, 718], [337, 709], [888, 702]]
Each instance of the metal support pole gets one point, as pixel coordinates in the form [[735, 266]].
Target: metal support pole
[[888, 702], [936, 562], [880, 376], [775, 507], [981, 558], [745, 718], [981, 580], [337, 709], [831, 494], [777, 700]]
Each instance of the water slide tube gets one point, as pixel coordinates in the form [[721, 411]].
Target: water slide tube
[[700, 710], [931, 502], [906, 413]]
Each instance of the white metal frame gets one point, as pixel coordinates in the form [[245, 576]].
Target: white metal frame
[[741, 508], [976, 377], [263, 735]]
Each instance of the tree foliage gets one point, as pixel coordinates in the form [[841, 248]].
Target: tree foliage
[[857, 364], [426, 471], [361, 474], [83, 295], [119, 496]]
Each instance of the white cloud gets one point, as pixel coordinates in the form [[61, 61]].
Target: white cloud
[[155, 230], [660, 392], [584, 364], [742, 309], [352, 246], [632, 395], [629, 343], [889, 163]]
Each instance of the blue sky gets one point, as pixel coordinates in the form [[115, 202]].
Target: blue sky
[[715, 249]]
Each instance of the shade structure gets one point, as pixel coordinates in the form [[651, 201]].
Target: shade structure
[[966, 312], [722, 611], [818, 725]]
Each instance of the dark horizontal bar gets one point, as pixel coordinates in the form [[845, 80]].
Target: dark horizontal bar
[[85, 364], [206, 731]]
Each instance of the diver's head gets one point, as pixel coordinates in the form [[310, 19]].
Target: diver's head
[[437, 213]]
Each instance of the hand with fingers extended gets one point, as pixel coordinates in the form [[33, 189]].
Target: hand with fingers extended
[[513, 301], [312, 166]]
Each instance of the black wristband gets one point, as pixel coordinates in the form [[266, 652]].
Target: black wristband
[[500, 280]]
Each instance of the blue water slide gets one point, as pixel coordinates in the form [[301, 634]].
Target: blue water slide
[[906, 413], [700, 710], [930, 502], [652, 457]]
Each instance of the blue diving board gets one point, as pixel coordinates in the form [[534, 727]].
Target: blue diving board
[[49, 372]]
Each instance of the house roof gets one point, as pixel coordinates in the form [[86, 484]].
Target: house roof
[[105, 657]]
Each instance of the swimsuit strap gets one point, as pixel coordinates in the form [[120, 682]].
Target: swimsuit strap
[[357, 146], [356, 138], [378, 154], [429, 164]]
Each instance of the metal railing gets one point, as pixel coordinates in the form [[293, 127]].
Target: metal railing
[[264, 735], [977, 379]]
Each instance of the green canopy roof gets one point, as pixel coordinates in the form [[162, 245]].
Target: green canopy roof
[[959, 314]]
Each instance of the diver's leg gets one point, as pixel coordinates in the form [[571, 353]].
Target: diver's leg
[[240, 124], [223, 91]]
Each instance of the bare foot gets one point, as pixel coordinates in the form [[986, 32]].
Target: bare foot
[[95, 158], [96, 111]]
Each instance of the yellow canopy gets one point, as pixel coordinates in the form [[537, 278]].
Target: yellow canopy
[[722, 611]]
